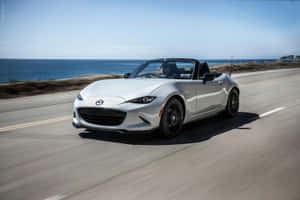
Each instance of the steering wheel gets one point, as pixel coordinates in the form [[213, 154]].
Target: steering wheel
[[148, 75]]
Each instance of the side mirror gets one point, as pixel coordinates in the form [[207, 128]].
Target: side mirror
[[208, 77], [127, 75]]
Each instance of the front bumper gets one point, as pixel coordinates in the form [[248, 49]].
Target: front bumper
[[139, 117]]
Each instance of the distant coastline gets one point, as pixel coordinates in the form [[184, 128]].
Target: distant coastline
[[50, 69], [27, 88]]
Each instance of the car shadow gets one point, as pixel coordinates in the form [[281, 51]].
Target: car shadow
[[193, 132]]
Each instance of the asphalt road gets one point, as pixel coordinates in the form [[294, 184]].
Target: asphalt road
[[253, 156]]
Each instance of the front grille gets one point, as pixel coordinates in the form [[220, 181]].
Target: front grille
[[102, 116]]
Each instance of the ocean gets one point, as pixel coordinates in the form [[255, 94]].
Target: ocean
[[46, 69]]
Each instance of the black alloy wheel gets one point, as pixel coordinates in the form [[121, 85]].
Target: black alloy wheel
[[172, 118], [232, 106]]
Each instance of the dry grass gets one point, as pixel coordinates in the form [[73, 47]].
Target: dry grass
[[253, 66], [28, 88]]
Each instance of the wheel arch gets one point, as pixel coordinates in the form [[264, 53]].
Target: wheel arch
[[235, 88]]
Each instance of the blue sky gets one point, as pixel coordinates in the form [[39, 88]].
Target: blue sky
[[149, 29]]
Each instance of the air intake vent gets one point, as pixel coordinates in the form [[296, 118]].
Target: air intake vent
[[102, 116]]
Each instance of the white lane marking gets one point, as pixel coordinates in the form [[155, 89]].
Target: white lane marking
[[271, 112], [56, 197]]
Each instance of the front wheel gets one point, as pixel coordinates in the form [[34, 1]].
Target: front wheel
[[232, 106], [172, 119]]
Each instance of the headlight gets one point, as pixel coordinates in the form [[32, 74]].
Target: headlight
[[142, 100], [79, 97]]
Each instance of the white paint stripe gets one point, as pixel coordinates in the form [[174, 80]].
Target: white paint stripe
[[271, 112], [56, 197]]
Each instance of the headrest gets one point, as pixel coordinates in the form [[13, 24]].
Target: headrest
[[169, 68]]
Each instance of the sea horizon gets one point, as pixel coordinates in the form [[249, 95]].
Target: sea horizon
[[22, 69]]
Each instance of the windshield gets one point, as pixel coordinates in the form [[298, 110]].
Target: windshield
[[160, 69]]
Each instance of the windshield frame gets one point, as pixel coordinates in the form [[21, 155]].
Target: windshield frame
[[144, 65]]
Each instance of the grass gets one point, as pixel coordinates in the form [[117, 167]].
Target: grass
[[16, 88]]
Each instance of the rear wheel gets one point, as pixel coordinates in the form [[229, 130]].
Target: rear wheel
[[232, 106], [172, 118]]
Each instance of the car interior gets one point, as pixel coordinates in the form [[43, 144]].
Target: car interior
[[204, 71]]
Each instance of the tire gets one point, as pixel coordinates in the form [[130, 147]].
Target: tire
[[232, 106], [172, 119]]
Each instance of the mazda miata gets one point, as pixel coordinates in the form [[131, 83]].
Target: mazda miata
[[159, 94]]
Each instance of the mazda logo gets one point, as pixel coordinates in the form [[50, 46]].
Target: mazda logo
[[99, 102]]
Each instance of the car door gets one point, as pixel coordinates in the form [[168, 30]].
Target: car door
[[209, 95], [215, 93]]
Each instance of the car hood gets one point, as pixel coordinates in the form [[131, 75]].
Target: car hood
[[124, 89]]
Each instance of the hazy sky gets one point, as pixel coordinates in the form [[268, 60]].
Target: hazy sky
[[148, 29]]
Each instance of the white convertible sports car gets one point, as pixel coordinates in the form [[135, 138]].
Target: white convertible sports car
[[161, 93]]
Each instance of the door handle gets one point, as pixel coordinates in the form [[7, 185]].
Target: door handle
[[220, 82]]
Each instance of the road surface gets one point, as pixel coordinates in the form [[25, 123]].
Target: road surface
[[253, 156]]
